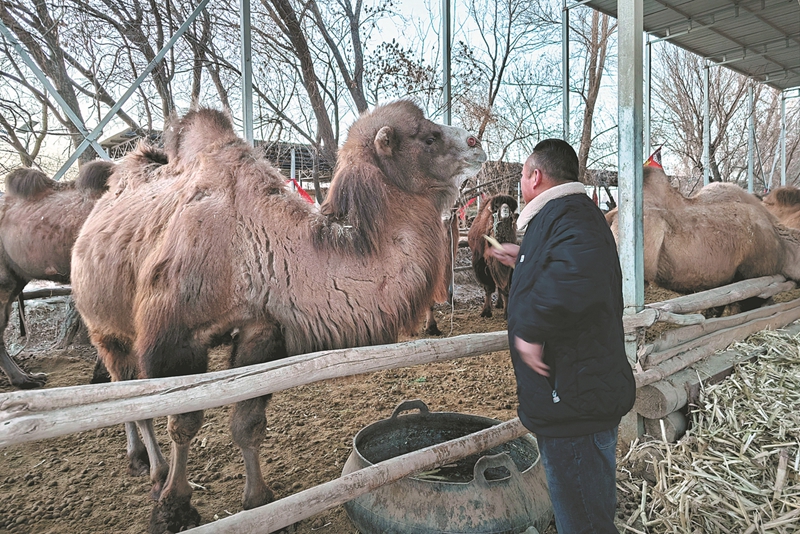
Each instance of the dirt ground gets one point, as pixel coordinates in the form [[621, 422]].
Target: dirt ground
[[78, 483]]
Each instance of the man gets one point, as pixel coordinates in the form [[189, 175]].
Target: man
[[574, 382]]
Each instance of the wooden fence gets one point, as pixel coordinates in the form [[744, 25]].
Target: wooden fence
[[668, 374]]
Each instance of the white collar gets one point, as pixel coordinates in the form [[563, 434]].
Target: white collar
[[535, 206]]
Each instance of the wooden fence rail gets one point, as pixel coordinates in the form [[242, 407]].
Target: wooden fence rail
[[33, 415]]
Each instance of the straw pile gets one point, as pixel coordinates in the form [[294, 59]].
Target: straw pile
[[736, 470]]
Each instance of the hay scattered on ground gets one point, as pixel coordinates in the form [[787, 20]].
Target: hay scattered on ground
[[736, 469]]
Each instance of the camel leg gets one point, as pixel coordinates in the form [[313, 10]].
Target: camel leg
[[248, 420], [487, 302], [499, 303], [431, 328], [173, 353], [121, 365], [174, 512], [10, 288]]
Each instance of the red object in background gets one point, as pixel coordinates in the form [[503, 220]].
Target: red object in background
[[300, 190], [462, 211], [655, 159], [595, 198]]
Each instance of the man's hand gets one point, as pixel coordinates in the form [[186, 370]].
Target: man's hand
[[506, 254], [533, 355]]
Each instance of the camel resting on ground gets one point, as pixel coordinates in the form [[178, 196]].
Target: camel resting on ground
[[711, 239], [39, 222], [212, 245], [784, 203]]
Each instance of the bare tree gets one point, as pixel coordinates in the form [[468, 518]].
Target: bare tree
[[679, 85], [595, 43]]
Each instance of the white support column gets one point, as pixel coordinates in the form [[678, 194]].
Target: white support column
[[783, 138], [751, 136], [293, 171], [247, 71], [446, 59], [648, 73], [629, 179], [565, 70], [630, 79], [706, 125]]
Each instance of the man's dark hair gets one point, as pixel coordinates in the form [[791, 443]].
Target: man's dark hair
[[557, 159]]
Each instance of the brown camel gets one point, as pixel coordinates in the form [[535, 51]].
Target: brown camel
[[498, 220], [784, 203], [711, 239], [212, 245], [444, 291], [39, 222], [658, 192]]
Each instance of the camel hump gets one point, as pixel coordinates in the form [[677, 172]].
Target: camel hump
[[787, 196], [25, 182], [190, 135], [94, 175]]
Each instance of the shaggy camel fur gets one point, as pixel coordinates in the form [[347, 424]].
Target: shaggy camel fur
[[444, 291], [784, 204], [39, 221], [711, 239], [496, 219], [212, 246]]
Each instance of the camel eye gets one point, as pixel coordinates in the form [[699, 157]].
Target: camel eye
[[430, 140]]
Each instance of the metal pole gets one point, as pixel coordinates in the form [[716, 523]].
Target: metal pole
[[630, 152], [629, 179], [247, 71], [95, 133], [648, 72], [750, 137], [292, 172], [783, 138], [706, 125], [68, 111], [565, 70], [446, 59]]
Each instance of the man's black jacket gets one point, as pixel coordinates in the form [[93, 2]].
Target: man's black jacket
[[567, 294]]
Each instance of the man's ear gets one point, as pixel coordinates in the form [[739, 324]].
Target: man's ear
[[384, 141]]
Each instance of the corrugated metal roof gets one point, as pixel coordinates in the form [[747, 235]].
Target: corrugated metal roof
[[757, 38]]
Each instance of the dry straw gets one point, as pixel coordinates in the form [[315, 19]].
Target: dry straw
[[736, 470]]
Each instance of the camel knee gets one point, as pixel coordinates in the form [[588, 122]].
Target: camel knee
[[183, 427], [249, 422]]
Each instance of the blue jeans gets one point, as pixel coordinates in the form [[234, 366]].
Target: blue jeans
[[581, 476]]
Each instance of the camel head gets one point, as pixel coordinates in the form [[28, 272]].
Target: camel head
[[414, 154], [783, 201], [504, 220], [395, 158]]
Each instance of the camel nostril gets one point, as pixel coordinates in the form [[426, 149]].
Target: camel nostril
[[472, 141]]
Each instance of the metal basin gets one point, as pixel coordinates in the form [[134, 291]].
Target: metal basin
[[501, 491]]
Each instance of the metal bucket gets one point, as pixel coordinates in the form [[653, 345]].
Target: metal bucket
[[504, 490]]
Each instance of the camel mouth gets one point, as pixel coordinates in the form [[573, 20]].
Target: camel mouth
[[505, 211]]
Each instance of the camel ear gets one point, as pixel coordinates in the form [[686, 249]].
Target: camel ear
[[384, 141]]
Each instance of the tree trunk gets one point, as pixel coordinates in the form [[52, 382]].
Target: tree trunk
[[597, 58]]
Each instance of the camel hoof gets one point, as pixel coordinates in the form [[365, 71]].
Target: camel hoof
[[173, 514], [30, 381], [259, 498], [433, 331], [486, 313]]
